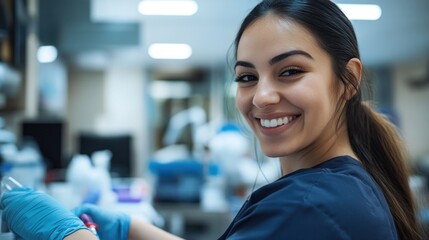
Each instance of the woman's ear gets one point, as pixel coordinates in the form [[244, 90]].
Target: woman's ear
[[354, 66]]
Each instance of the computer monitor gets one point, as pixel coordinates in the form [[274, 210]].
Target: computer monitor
[[48, 135], [119, 145]]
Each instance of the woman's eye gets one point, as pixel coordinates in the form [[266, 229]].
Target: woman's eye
[[290, 72], [246, 78]]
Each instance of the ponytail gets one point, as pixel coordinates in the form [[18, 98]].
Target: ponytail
[[379, 147]]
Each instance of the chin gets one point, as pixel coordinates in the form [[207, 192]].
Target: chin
[[274, 153]]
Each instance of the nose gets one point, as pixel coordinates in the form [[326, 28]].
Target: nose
[[267, 93]]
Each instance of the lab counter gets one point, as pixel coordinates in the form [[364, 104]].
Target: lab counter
[[192, 222]]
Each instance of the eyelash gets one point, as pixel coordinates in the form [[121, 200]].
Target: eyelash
[[286, 73], [293, 70], [240, 78]]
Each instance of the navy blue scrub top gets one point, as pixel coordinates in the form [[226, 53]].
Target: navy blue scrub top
[[337, 199]]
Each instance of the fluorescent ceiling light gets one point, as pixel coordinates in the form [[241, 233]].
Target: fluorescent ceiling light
[[47, 54], [361, 11], [161, 7], [170, 51]]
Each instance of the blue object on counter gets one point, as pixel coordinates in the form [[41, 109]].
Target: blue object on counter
[[178, 181]]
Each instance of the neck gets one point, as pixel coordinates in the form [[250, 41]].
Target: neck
[[325, 148]]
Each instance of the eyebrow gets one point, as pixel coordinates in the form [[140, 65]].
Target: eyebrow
[[276, 59], [285, 55]]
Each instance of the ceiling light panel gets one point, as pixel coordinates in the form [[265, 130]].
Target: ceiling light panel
[[47, 54], [168, 8], [361, 11], [170, 51]]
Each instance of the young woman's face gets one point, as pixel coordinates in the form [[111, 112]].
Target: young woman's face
[[285, 87]]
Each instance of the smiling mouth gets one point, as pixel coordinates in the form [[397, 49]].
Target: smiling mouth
[[272, 123]]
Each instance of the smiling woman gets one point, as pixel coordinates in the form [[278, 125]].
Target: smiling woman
[[327, 129]]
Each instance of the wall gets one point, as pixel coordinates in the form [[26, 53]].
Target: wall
[[85, 103], [109, 102], [412, 105]]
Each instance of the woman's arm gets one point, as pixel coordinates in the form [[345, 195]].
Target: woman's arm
[[142, 230], [82, 234], [139, 230]]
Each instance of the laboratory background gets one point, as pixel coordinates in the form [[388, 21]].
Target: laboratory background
[[129, 104]]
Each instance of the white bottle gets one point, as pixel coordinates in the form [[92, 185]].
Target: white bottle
[[101, 160], [80, 177], [213, 191]]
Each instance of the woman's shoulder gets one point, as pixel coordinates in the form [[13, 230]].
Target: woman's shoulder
[[339, 195], [336, 176], [338, 182], [335, 200]]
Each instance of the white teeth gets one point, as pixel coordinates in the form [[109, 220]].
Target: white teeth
[[265, 122], [276, 122], [286, 120]]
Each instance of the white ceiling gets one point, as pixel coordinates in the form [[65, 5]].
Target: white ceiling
[[400, 34]]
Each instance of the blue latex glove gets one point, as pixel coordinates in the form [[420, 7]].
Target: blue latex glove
[[35, 215], [111, 225]]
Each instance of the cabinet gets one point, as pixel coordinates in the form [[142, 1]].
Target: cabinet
[[13, 38]]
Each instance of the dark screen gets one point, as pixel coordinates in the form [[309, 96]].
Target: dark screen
[[119, 145], [48, 135]]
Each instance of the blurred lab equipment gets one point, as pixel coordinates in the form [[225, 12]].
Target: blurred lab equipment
[[8, 146], [48, 133], [6, 136], [9, 183], [196, 117], [118, 144], [81, 179], [229, 151], [228, 148], [101, 161], [241, 173], [88, 181], [182, 193], [23, 163], [213, 193], [10, 82], [177, 176], [179, 171]]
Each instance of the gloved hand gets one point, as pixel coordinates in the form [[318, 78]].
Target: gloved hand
[[35, 215], [111, 225]]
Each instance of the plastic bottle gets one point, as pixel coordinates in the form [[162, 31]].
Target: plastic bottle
[[80, 176], [213, 192], [101, 160]]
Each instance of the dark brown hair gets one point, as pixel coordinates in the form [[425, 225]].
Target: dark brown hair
[[374, 139]]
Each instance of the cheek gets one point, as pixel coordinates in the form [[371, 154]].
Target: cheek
[[312, 98], [302, 95], [320, 104]]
